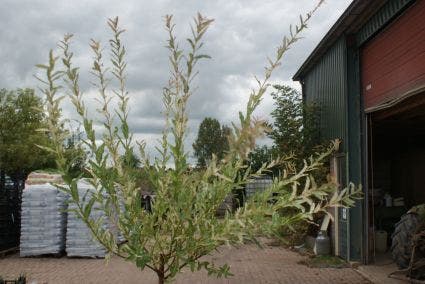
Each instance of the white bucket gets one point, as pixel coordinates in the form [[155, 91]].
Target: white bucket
[[381, 241]]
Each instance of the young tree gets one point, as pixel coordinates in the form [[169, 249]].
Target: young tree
[[182, 226], [211, 140]]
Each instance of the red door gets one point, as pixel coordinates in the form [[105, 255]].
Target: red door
[[393, 63]]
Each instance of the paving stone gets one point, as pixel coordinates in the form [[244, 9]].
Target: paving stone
[[249, 264]]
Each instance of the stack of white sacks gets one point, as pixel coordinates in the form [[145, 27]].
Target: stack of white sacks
[[49, 225], [79, 240], [43, 217]]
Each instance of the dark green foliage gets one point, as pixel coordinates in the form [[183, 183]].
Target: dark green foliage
[[212, 139], [76, 158], [295, 129], [21, 115], [261, 155], [132, 163], [22, 120], [130, 159]]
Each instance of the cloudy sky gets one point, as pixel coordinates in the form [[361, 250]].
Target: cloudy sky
[[244, 33]]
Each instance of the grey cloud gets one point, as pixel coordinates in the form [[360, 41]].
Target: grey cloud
[[244, 33]]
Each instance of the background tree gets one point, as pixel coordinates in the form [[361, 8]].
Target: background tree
[[76, 155], [21, 118], [132, 164], [295, 130], [259, 156], [21, 115], [296, 125], [212, 139], [130, 159]]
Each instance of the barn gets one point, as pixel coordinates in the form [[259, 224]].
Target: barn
[[367, 75]]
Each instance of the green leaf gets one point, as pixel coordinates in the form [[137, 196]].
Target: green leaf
[[88, 208]]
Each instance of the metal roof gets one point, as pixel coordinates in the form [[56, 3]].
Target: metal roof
[[350, 22]]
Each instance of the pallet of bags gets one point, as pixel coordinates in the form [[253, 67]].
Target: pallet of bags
[[79, 239], [43, 216], [113, 226]]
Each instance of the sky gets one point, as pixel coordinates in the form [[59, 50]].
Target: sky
[[243, 35]]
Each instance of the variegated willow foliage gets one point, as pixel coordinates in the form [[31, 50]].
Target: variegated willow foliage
[[183, 225]]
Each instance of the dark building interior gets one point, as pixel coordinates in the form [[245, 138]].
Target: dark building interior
[[396, 162]]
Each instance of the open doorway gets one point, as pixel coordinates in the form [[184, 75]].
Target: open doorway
[[396, 169]]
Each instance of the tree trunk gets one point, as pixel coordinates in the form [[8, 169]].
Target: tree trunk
[[161, 271], [161, 279]]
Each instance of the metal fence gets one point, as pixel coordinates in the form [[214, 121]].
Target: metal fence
[[257, 185]]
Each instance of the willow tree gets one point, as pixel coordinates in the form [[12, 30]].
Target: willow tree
[[182, 226]]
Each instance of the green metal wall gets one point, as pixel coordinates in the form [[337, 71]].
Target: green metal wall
[[355, 153], [390, 10], [326, 85]]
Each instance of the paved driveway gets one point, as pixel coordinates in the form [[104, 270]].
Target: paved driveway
[[249, 264]]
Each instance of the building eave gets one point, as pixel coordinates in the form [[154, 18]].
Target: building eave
[[350, 22]]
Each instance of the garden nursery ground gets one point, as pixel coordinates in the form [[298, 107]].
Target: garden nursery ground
[[249, 264]]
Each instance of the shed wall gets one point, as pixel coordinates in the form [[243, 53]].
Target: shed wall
[[326, 85], [355, 141]]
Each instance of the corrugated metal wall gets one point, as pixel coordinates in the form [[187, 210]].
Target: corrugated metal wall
[[326, 85], [355, 153], [391, 9]]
